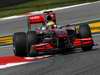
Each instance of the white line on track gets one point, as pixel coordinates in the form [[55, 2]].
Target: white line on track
[[39, 57], [12, 64], [11, 17], [96, 35], [6, 46]]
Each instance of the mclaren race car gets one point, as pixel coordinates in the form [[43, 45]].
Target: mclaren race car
[[40, 40]]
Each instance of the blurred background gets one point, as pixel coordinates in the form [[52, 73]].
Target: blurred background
[[4, 3], [17, 7]]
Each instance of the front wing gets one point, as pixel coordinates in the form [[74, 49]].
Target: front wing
[[46, 47]]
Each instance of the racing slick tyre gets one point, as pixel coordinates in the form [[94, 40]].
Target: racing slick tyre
[[20, 44], [32, 39], [85, 32]]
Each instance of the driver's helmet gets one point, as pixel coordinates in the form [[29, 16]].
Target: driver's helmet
[[49, 18], [50, 23]]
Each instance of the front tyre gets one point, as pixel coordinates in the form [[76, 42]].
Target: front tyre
[[85, 32], [20, 44]]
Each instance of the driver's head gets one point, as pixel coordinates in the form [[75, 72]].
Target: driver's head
[[49, 18]]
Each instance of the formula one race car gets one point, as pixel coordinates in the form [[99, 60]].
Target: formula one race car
[[39, 40]]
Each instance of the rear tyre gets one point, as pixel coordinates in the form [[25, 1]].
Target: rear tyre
[[20, 44], [85, 32]]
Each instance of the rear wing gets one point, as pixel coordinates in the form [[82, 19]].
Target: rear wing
[[33, 19], [41, 18]]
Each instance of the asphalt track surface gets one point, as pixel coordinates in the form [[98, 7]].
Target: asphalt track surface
[[74, 63]]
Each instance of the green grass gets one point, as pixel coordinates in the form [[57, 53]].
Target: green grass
[[35, 5]]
